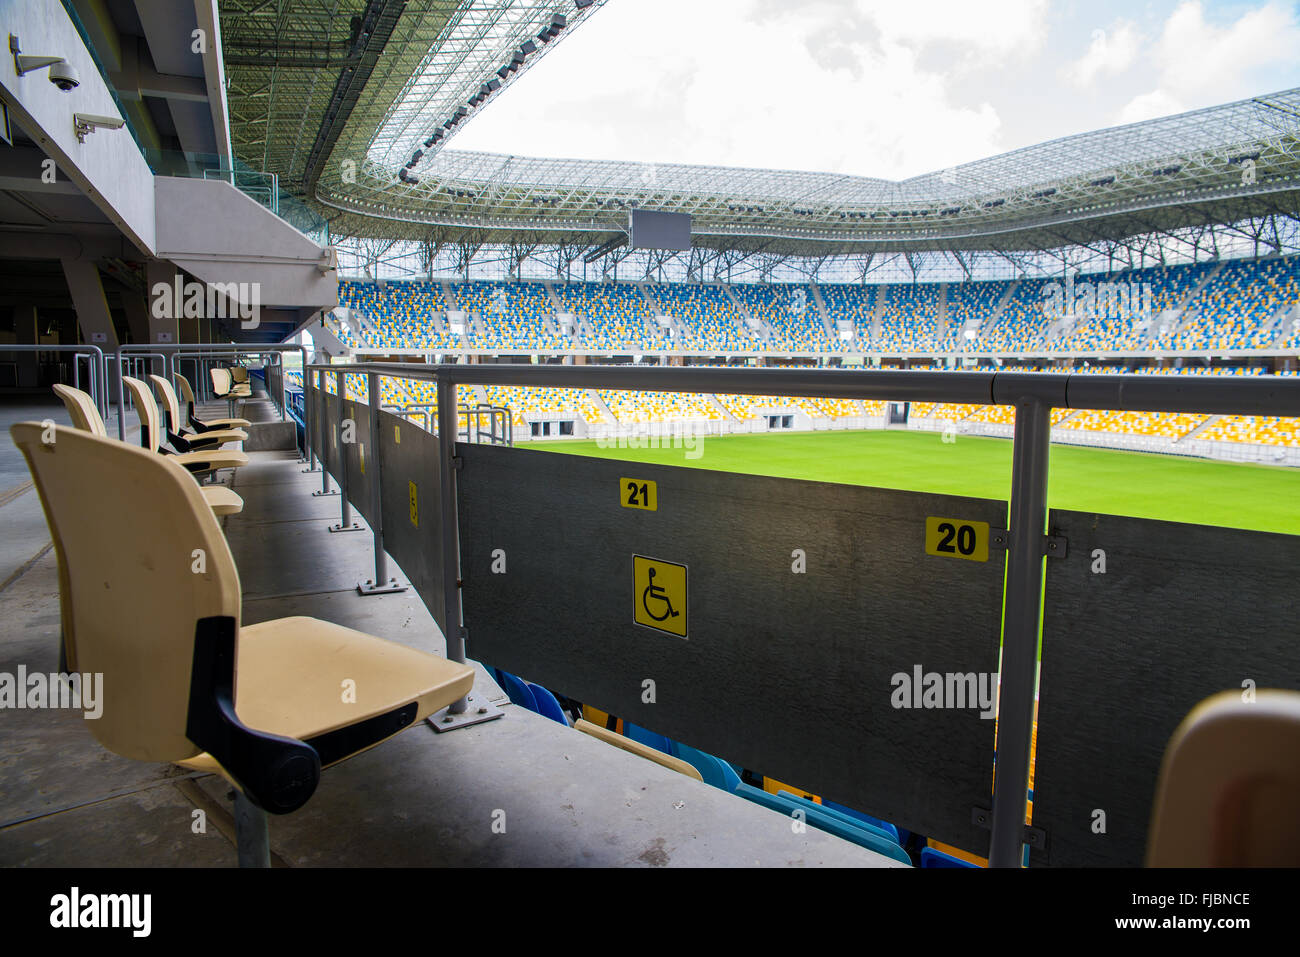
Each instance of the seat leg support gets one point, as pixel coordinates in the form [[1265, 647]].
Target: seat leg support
[[252, 834]]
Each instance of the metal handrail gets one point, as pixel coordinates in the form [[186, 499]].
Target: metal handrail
[[173, 351], [1034, 395], [98, 371]]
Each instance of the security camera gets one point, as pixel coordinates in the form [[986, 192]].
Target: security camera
[[85, 123], [64, 76]]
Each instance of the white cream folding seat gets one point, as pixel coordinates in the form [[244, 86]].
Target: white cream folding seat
[[184, 681], [187, 394], [179, 439], [1229, 785], [201, 462], [81, 407], [225, 387]]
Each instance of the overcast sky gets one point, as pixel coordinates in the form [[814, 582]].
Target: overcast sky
[[889, 88]]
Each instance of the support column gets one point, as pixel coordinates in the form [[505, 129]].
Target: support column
[[90, 303], [164, 321], [137, 316]]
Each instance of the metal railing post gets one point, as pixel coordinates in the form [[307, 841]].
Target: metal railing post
[[381, 584], [447, 462], [345, 508], [1018, 676], [121, 397]]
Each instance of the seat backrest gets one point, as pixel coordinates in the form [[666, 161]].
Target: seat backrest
[[221, 381], [82, 409], [169, 403], [1229, 785], [187, 390], [145, 561], [238, 374], [147, 409]]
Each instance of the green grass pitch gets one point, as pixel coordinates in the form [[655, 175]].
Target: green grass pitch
[[1261, 497]]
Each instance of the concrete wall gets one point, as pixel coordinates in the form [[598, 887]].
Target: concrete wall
[[109, 167]]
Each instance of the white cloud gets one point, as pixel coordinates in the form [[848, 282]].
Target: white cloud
[[1202, 64], [834, 86], [989, 28], [1108, 53]]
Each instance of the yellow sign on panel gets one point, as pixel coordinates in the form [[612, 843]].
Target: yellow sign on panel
[[659, 595], [957, 538], [415, 505], [361, 451], [397, 434], [638, 493]]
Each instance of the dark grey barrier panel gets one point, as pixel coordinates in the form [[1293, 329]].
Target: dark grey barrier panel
[[1181, 612], [358, 454], [330, 420], [412, 516], [316, 412], [788, 674]]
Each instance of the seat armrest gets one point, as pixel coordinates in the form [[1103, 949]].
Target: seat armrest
[[277, 773], [209, 460]]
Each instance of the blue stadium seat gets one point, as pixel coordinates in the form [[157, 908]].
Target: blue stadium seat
[[930, 858], [715, 771], [546, 704], [884, 830], [859, 834], [649, 738], [898, 835], [517, 689]]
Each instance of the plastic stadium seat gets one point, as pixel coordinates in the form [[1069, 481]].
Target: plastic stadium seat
[[183, 681], [81, 407], [187, 394], [151, 428], [637, 748], [879, 827], [1230, 784], [519, 691], [649, 738], [815, 816], [188, 441], [546, 704], [898, 835], [225, 387], [713, 770], [930, 858]]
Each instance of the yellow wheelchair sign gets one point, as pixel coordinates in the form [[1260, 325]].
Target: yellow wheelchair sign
[[659, 595]]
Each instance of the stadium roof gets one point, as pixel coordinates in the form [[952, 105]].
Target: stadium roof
[[410, 68]]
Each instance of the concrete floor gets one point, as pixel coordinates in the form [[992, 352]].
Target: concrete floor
[[420, 799]]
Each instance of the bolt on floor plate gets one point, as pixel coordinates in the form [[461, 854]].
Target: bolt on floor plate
[[479, 710]]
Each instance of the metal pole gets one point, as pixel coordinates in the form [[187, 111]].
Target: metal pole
[[345, 508], [382, 584], [121, 397], [310, 452], [1022, 608], [447, 460]]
